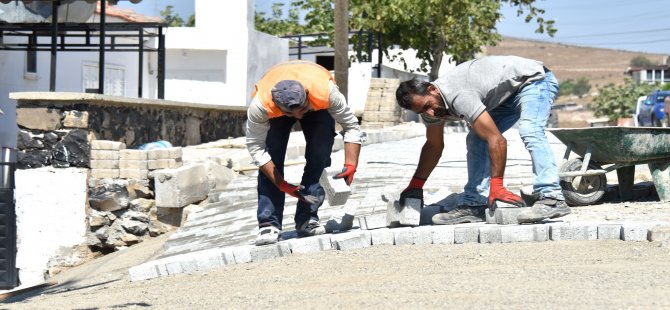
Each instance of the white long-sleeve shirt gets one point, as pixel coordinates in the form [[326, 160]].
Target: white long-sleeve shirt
[[258, 125]]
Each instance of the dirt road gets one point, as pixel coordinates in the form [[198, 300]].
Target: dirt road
[[565, 274]]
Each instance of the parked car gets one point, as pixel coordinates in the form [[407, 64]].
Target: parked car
[[643, 112], [654, 107]]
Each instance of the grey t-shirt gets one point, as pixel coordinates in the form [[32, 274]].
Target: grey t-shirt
[[482, 84]]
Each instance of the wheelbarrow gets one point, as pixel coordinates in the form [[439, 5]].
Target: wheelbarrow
[[605, 149]]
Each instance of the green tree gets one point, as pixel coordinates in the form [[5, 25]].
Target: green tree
[[277, 24], [582, 87], [617, 101], [191, 21], [170, 18], [641, 61], [566, 87]]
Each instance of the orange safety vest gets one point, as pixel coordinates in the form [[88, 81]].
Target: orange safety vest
[[313, 77]]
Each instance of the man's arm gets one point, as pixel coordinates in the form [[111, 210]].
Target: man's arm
[[431, 151], [487, 130]]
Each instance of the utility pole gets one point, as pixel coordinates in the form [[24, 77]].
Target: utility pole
[[342, 45]]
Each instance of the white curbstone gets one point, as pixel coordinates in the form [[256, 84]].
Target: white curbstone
[[310, 244], [443, 234], [382, 236], [490, 234], [279, 249], [609, 232], [373, 221]]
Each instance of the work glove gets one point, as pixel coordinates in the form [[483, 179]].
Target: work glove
[[413, 190], [498, 192], [347, 174], [297, 192]]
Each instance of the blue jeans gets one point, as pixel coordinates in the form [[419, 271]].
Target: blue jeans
[[319, 130], [530, 107]]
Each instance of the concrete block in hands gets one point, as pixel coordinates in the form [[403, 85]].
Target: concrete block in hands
[[337, 191]]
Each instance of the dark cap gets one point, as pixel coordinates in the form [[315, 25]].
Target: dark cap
[[288, 94]]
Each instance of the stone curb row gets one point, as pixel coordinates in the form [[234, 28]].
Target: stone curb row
[[357, 239]]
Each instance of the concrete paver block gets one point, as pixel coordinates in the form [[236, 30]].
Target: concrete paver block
[[443, 234], [410, 214], [409, 235], [466, 234], [382, 236], [503, 216], [137, 174], [167, 163], [104, 154], [659, 234], [609, 232], [107, 145], [490, 234], [310, 244], [165, 153], [279, 249], [144, 271], [130, 154], [350, 240], [131, 164], [637, 231], [242, 254], [337, 191], [104, 164], [573, 231], [524, 233], [373, 221], [175, 188], [104, 173]]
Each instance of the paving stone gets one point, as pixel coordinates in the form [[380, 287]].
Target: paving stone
[[167, 163], [392, 213], [410, 214], [636, 231], [337, 191], [107, 145], [504, 216], [279, 249], [382, 236], [176, 188], [350, 240], [443, 234], [242, 254], [104, 154], [144, 271], [409, 235], [609, 232], [373, 221], [104, 173], [466, 234], [573, 231], [490, 234], [131, 154], [310, 244], [213, 258], [165, 153], [104, 164], [135, 174], [132, 164], [659, 234], [524, 233]]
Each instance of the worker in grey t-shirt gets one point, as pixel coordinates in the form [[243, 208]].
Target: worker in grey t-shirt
[[492, 94]]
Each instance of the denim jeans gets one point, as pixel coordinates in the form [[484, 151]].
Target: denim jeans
[[530, 109], [318, 127]]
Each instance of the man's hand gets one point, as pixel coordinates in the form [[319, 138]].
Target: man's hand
[[347, 174], [498, 192], [296, 191], [413, 190]]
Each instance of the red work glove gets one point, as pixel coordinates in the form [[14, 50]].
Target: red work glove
[[296, 191], [413, 190], [347, 174], [498, 192]]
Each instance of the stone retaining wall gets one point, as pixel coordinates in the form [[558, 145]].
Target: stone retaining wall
[[53, 123]]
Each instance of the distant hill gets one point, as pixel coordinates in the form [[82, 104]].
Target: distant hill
[[600, 66]]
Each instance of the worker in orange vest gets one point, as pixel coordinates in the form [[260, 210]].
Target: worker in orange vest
[[290, 92]]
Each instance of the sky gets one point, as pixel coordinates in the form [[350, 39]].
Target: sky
[[633, 25]]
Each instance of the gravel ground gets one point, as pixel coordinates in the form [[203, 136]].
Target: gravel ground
[[565, 274]]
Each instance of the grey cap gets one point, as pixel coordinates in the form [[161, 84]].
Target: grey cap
[[289, 94]]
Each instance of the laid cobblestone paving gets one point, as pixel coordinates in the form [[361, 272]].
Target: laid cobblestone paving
[[230, 226]]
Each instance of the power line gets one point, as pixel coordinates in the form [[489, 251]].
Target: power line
[[615, 33]]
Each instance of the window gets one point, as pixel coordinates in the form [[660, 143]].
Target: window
[[31, 56], [114, 79]]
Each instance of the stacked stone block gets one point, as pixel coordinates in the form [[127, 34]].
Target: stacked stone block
[[381, 109], [167, 158], [105, 159], [133, 164]]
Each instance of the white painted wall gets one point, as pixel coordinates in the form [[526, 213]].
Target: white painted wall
[[50, 214]]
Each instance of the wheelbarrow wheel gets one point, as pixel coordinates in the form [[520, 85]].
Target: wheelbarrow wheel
[[588, 191]]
